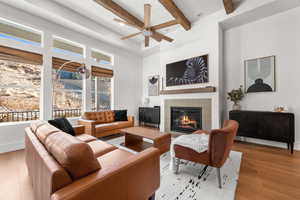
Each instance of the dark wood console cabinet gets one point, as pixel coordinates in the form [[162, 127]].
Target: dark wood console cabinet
[[273, 126], [149, 116]]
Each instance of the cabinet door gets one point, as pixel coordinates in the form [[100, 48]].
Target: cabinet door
[[247, 123], [275, 127], [149, 115], [141, 114], [156, 116]]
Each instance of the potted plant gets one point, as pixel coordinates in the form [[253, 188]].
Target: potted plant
[[236, 95]]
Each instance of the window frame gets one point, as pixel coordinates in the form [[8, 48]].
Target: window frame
[[104, 53], [95, 92], [30, 114], [54, 89], [45, 48], [68, 53], [25, 28]]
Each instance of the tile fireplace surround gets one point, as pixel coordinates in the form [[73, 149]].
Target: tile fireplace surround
[[205, 104]]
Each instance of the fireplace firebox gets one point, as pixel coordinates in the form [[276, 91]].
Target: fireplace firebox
[[186, 119]]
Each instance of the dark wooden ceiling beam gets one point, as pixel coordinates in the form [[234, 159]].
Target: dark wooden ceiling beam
[[120, 12], [176, 13], [228, 4], [129, 18]]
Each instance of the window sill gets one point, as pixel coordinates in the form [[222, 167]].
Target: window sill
[[28, 122], [15, 123]]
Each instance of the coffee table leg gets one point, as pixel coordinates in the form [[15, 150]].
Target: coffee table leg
[[132, 139]]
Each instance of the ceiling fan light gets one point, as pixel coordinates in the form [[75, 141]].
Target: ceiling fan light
[[146, 33]]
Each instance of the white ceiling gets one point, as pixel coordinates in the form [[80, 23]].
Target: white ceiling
[[92, 19], [191, 8]]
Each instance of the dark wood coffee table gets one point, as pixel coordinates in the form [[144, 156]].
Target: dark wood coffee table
[[134, 139]]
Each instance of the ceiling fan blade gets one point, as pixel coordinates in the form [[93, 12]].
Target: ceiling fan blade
[[126, 23], [162, 37], [130, 36], [147, 41], [164, 25], [156, 36], [147, 15]]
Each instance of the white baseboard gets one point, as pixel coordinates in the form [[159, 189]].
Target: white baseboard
[[12, 146], [268, 142], [297, 146]]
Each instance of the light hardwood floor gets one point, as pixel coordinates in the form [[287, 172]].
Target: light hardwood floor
[[266, 174]]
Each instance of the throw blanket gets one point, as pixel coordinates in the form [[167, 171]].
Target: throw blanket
[[196, 142]]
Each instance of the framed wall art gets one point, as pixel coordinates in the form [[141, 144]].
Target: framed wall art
[[189, 71], [260, 75], [153, 85]]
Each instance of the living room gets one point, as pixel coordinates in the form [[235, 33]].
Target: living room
[[134, 81]]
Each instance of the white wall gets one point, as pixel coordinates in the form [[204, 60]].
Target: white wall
[[151, 66], [127, 70], [204, 38], [276, 35]]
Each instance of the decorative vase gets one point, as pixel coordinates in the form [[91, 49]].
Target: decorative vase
[[236, 106]]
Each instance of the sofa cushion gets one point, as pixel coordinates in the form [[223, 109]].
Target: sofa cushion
[[112, 126], [100, 148], [63, 124], [114, 158], [74, 156], [124, 124], [35, 125], [110, 116], [86, 138], [99, 117], [106, 126], [44, 131], [120, 115]]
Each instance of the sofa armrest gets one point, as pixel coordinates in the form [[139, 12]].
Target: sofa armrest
[[89, 126], [78, 129], [131, 119], [137, 178], [201, 132]]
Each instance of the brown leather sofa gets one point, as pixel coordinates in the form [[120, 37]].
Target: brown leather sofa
[[100, 124], [65, 167], [219, 147]]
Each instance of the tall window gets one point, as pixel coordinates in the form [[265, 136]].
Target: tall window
[[67, 47], [101, 88], [20, 81], [20, 33], [67, 89], [102, 58]]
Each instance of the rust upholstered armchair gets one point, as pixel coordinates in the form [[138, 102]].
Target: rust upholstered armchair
[[219, 147]]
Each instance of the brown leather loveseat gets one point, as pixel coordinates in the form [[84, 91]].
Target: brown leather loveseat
[[100, 124], [66, 167]]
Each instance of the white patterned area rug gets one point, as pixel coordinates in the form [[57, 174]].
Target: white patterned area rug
[[188, 184]]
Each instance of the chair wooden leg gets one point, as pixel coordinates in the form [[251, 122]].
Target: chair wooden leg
[[219, 177], [177, 163]]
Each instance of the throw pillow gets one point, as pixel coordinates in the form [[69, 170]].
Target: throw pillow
[[63, 124], [120, 115]]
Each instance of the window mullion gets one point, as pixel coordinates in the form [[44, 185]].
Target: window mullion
[[46, 79], [87, 83]]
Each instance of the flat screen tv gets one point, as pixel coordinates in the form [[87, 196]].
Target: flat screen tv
[[189, 71]]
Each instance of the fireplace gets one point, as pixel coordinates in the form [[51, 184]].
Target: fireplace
[[186, 119]]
